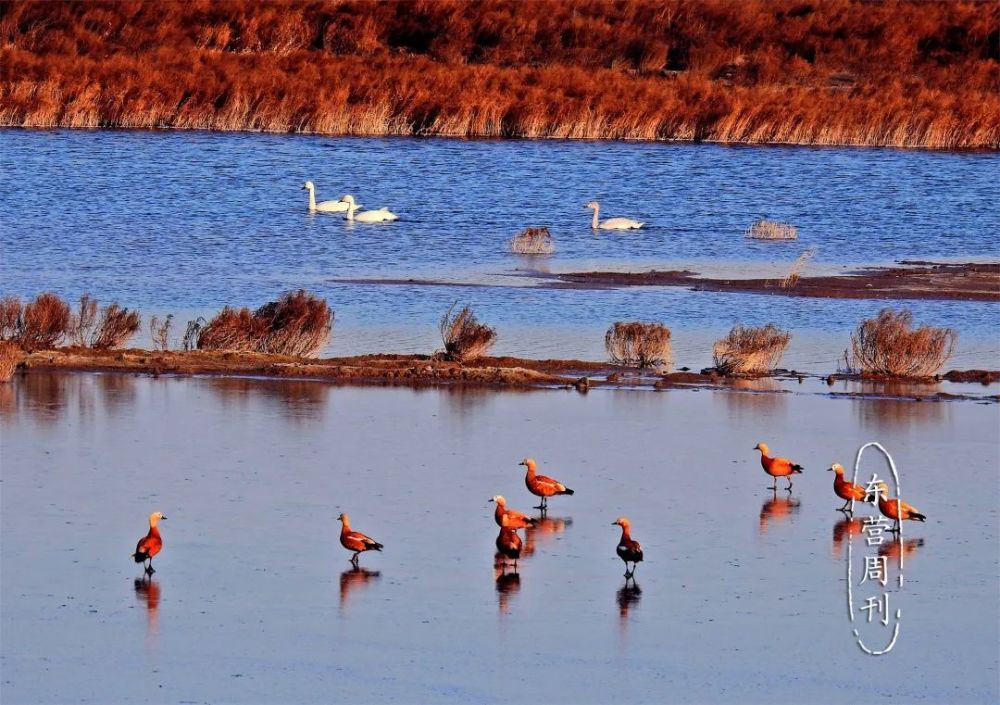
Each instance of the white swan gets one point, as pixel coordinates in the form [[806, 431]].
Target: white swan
[[380, 215], [612, 223], [322, 206]]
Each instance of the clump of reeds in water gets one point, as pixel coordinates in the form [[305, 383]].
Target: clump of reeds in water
[[771, 230], [749, 350], [533, 241], [297, 324], [889, 346], [795, 271], [464, 337], [10, 355], [101, 329], [37, 325], [638, 344]]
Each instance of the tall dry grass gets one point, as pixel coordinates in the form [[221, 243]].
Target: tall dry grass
[[771, 230], [533, 241], [795, 271], [10, 356], [82, 321], [464, 337], [638, 344], [297, 324], [889, 346], [902, 73], [748, 350], [115, 327], [159, 331]]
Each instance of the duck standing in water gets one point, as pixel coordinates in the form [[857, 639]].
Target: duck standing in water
[[508, 543], [628, 549], [515, 519], [355, 540], [848, 491], [150, 544], [777, 467], [542, 486], [896, 509]]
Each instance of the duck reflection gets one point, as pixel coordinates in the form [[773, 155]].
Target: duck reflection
[[777, 509], [507, 583], [147, 591], [543, 531], [628, 597], [896, 547], [845, 529], [354, 579]]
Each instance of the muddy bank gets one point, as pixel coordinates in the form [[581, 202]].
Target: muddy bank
[[969, 281]]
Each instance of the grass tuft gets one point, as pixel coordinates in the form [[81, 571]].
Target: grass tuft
[[889, 346], [795, 271], [464, 337], [115, 327], [533, 241], [748, 350], [638, 344], [297, 324], [10, 355], [770, 230]]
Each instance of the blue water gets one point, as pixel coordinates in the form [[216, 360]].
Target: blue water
[[189, 221]]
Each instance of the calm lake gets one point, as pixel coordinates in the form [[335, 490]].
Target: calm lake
[[186, 222], [742, 597]]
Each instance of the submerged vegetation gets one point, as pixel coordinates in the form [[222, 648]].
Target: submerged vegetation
[[889, 346], [533, 241], [902, 73], [748, 350], [464, 337], [297, 324], [770, 230], [638, 344]]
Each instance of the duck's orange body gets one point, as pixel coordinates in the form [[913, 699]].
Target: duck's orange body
[[540, 485], [846, 490], [515, 519], [628, 548], [895, 509], [150, 544], [508, 541], [355, 540], [777, 467]]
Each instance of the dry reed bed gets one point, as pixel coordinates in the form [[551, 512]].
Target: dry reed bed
[[638, 344], [464, 337], [771, 230], [837, 72], [47, 320], [298, 324], [750, 351], [889, 346], [533, 241]]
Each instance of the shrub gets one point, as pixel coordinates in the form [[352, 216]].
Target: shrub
[[10, 316], [464, 337], [115, 327], [82, 322], [159, 331], [10, 355], [296, 324], [748, 350], [533, 241], [887, 345], [43, 322], [770, 230], [638, 344]]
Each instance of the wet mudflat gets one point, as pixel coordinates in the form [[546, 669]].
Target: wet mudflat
[[742, 596]]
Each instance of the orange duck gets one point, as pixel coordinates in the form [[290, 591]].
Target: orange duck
[[628, 548], [847, 491], [150, 544], [896, 509], [516, 519], [508, 542], [355, 540], [542, 486], [777, 467]]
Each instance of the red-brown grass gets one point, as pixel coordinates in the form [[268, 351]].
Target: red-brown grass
[[889, 346], [748, 350], [10, 316], [42, 323], [464, 337], [82, 321], [115, 327], [10, 356], [900, 72], [533, 241], [638, 344], [297, 324]]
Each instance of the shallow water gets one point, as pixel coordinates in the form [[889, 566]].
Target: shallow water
[[741, 598], [187, 222]]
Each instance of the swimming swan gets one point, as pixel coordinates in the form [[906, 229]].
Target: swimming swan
[[322, 206], [612, 223], [380, 215]]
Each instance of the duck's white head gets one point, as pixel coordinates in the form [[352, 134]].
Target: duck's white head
[[499, 499], [528, 463], [155, 517], [762, 447], [622, 522], [837, 468]]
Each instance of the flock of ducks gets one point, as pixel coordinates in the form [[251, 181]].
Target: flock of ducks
[[383, 215], [509, 544]]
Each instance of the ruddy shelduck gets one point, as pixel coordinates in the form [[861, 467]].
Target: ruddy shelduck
[[628, 549], [508, 542], [516, 519], [355, 540], [896, 509], [777, 467], [848, 491], [150, 544], [542, 486]]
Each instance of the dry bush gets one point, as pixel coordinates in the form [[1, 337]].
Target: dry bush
[[889, 346], [82, 321], [43, 322], [464, 337], [298, 324], [115, 327], [749, 350], [10, 317], [159, 331], [795, 271], [192, 332], [10, 355], [533, 241], [638, 344], [770, 230]]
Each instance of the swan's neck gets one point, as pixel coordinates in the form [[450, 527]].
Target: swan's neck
[[593, 223], [350, 211], [312, 199]]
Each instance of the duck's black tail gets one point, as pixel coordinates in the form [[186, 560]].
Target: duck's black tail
[[917, 516], [377, 546], [797, 469]]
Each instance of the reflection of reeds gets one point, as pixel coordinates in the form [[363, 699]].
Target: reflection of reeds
[[749, 350], [464, 337], [638, 344], [795, 271], [888, 345], [10, 355], [533, 241], [770, 230]]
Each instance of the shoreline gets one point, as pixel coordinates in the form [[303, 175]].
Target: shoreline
[[422, 371]]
